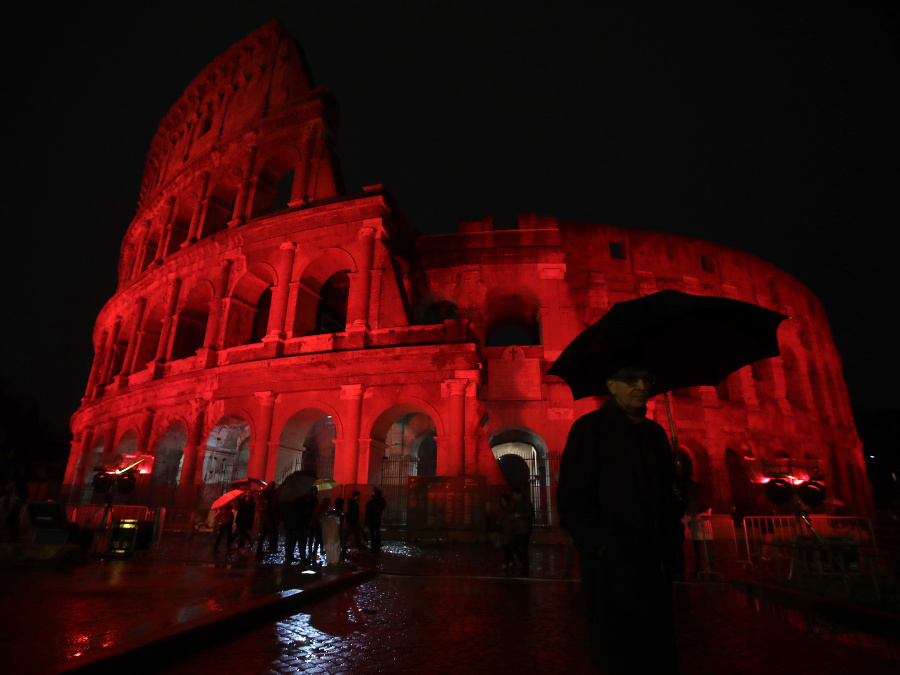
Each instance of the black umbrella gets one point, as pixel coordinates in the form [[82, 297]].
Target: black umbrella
[[296, 485], [686, 340]]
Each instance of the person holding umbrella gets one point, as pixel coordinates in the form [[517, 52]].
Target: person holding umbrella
[[616, 496], [616, 492]]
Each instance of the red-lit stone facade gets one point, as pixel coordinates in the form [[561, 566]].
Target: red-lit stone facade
[[265, 321]]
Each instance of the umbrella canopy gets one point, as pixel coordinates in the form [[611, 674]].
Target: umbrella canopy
[[224, 499], [296, 485], [686, 340], [326, 483], [248, 484]]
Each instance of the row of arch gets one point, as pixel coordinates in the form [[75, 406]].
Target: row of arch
[[218, 312], [406, 439], [285, 177], [407, 443]]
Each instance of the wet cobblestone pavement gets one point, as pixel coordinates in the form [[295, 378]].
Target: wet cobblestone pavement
[[449, 609], [432, 609], [455, 625]]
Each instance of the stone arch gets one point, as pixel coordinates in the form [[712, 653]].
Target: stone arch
[[127, 443], [220, 203], [524, 461], [405, 442], [243, 320], [182, 214], [120, 348], [307, 442], [322, 293], [703, 472], [793, 378], [227, 450], [149, 334], [512, 317], [763, 379], [170, 454], [269, 190], [190, 327]]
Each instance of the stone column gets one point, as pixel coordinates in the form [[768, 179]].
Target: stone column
[[141, 248], [84, 472], [162, 349], [139, 308], [276, 329], [554, 324], [110, 351], [300, 188], [197, 216], [239, 216], [166, 232], [211, 338], [78, 457], [95, 367], [346, 460], [144, 430], [259, 448], [360, 283], [194, 448], [451, 461]]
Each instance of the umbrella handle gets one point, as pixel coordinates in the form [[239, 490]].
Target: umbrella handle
[[671, 423]]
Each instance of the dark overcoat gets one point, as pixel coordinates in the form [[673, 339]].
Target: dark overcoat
[[616, 498]]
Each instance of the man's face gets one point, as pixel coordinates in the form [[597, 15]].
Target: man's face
[[631, 387]]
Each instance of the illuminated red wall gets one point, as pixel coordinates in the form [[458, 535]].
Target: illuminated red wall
[[263, 317]]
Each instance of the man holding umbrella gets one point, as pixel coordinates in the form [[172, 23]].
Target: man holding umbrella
[[616, 485], [616, 496]]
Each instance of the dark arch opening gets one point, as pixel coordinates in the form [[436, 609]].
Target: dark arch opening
[[331, 312], [261, 318]]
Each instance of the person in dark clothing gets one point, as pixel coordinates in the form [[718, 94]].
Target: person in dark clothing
[[296, 526], [616, 498], [522, 518], [339, 512], [225, 520], [315, 528], [352, 520], [267, 511], [243, 519], [507, 538], [374, 509]]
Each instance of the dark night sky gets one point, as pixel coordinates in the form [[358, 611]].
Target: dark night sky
[[765, 128]]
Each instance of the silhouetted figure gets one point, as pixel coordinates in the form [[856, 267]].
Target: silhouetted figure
[[243, 519], [505, 522], [296, 526], [523, 517], [352, 520], [616, 497], [315, 527], [225, 520], [374, 509], [339, 512], [267, 512]]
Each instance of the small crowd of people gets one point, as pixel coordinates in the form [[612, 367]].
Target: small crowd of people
[[302, 519]]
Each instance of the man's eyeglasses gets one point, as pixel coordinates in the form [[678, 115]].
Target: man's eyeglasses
[[632, 380]]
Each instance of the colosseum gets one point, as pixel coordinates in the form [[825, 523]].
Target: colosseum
[[266, 321]]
